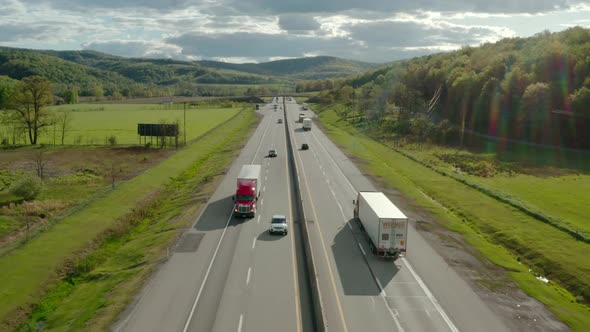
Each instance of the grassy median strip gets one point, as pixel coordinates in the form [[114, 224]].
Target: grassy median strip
[[490, 226], [27, 272]]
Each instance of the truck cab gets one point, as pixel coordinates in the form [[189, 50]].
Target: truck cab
[[245, 199], [247, 191]]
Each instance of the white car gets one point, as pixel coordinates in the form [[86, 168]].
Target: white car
[[278, 224]]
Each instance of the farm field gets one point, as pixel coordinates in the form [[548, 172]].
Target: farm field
[[25, 275], [75, 174], [92, 124]]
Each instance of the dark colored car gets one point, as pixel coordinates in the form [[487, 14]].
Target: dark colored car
[[304, 146]]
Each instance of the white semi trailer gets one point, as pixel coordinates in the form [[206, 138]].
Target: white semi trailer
[[306, 124], [385, 225]]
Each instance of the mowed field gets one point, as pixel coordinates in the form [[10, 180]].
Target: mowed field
[[92, 124], [556, 185]]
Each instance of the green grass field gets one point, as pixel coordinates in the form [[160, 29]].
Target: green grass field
[[27, 271], [561, 193], [487, 224], [94, 298], [92, 124]]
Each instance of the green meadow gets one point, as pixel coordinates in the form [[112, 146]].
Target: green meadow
[[93, 124]]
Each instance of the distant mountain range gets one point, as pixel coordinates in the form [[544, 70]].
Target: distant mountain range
[[88, 68]]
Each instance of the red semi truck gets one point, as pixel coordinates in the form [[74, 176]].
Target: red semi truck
[[248, 191]]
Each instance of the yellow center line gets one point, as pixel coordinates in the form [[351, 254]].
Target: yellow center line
[[292, 239], [345, 328]]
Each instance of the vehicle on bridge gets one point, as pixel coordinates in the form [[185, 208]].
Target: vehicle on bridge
[[248, 191], [384, 224]]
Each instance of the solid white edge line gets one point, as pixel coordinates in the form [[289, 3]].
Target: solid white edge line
[[362, 250], [192, 312], [190, 316], [240, 323], [431, 297]]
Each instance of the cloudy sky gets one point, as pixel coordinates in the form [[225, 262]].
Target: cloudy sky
[[262, 30]]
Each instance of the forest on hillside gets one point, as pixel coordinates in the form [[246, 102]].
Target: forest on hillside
[[533, 89]]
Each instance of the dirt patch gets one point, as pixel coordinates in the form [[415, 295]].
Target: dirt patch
[[96, 160]]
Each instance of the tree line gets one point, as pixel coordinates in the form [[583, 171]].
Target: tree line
[[533, 89]]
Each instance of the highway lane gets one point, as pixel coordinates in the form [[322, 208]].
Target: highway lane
[[417, 293], [264, 294], [227, 274]]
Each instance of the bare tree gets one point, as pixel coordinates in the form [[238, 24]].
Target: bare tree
[[39, 163], [114, 172], [64, 124], [30, 97]]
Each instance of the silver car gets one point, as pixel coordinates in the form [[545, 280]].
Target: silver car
[[278, 224]]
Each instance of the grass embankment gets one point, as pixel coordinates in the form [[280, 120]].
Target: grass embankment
[[488, 225], [27, 272], [555, 189], [94, 123]]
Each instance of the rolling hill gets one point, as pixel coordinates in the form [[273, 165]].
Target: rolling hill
[[303, 68], [96, 74]]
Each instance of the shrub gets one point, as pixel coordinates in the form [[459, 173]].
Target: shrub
[[28, 187], [112, 140]]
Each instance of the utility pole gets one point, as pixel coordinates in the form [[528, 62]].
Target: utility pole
[[184, 130]]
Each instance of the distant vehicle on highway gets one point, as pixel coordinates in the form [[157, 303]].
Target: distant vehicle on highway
[[301, 117], [248, 191], [257, 107], [280, 121], [278, 224], [384, 224], [304, 146], [307, 124], [272, 153]]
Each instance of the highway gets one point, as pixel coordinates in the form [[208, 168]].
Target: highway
[[416, 293], [229, 274]]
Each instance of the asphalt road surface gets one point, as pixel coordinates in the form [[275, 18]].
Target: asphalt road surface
[[229, 274], [361, 292]]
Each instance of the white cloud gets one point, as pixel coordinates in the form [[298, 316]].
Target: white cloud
[[260, 30], [135, 48]]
